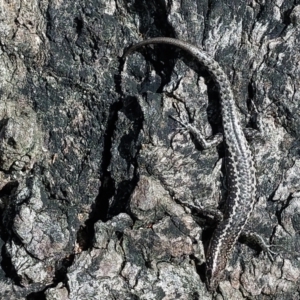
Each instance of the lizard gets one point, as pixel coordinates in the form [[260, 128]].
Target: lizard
[[240, 167]]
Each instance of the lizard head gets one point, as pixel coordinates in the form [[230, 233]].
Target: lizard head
[[215, 266], [213, 277]]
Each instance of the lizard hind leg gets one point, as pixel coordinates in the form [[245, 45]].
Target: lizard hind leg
[[211, 212], [204, 142]]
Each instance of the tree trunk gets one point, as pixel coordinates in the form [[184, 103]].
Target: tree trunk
[[95, 175]]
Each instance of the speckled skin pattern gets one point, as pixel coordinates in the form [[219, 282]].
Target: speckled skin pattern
[[239, 166]]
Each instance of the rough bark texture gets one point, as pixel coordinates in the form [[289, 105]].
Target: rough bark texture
[[94, 173]]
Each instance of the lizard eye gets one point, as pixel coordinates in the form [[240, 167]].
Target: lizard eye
[[208, 277], [208, 274]]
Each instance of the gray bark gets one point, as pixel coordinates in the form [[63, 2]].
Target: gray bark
[[95, 174]]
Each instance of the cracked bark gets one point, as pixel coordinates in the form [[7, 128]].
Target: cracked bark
[[94, 174]]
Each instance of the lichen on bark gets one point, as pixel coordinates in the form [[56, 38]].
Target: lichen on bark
[[94, 174]]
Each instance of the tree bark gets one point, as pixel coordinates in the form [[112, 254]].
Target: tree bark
[[95, 175]]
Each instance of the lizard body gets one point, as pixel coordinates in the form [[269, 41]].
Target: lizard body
[[239, 166]]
